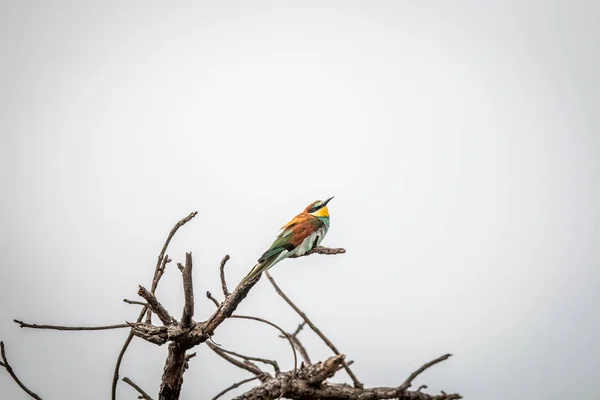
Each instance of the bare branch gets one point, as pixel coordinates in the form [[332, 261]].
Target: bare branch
[[272, 363], [159, 273], [408, 382], [247, 365], [301, 349], [70, 328], [155, 280], [143, 394], [188, 290], [155, 306], [222, 273], [139, 303], [10, 371], [310, 384], [328, 342], [299, 346], [210, 296], [235, 385]]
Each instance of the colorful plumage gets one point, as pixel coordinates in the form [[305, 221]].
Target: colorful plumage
[[298, 236]]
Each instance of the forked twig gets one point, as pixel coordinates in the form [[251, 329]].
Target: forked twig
[[235, 385], [10, 371]]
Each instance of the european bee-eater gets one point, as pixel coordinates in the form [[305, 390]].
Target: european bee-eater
[[298, 236]]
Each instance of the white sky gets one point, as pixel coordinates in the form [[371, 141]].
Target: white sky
[[460, 140]]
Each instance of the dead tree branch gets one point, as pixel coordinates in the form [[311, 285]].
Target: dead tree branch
[[69, 328], [188, 290], [299, 346], [408, 382], [328, 342], [143, 395], [310, 383], [247, 365], [272, 363], [11, 372], [155, 306], [235, 385], [222, 273]]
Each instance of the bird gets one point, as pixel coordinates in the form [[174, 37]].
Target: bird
[[303, 233]]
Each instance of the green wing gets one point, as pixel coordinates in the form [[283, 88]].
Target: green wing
[[280, 244]]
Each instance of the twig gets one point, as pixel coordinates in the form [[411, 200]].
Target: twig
[[210, 296], [301, 349], [188, 290], [299, 328], [408, 382], [264, 321], [143, 394], [9, 369], [357, 383], [247, 365], [222, 273], [421, 388], [235, 385], [299, 346], [70, 328], [155, 306], [159, 273], [272, 363], [155, 281], [139, 303]]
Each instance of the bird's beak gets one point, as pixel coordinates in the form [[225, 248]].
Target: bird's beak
[[327, 201]]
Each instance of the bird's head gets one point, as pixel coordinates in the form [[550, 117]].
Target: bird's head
[[319, 208]]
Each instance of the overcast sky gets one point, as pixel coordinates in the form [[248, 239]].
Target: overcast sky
[[460, 140]]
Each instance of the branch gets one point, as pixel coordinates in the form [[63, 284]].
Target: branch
[[155, 306], [235, 385], [155, 280], [139, 303], [222, 273], [310, 384], [9, 369], [143, 394], [69, 328], [210, 296], [188, 290], [357, 383], [299, 346], [272, 363], [248, 366], [408, 382]]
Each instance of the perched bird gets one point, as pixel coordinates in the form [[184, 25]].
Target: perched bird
[[298, 236]]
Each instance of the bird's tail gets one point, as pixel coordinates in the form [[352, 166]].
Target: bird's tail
[[258, 269]]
